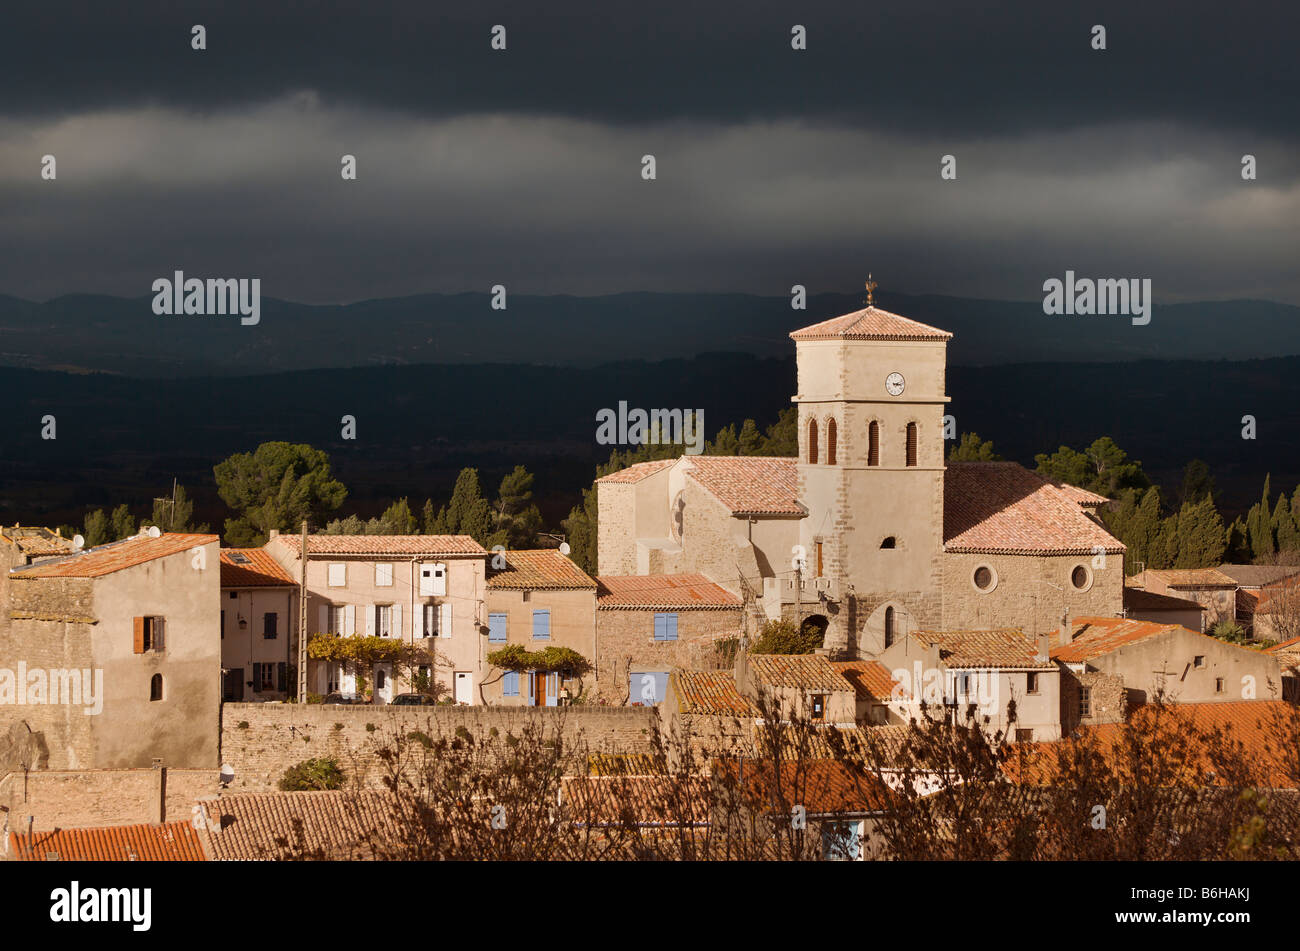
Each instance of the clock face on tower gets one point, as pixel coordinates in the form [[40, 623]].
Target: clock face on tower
[[894, 384]]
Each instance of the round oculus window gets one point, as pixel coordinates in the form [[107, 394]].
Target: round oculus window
[[984, 578], [1079, 577]]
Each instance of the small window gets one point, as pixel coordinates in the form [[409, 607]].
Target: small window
[[819, 706], [1024, 736], [155, 687], [889, 626], [510, 684], [1085, 701], [542, 624], [338, 618], [526, 596], [338, 575], [889, 542], [1079, 577], [1218, 685], [384, 620], [1031, 683], [812, 441], [1198, 661], [269, 621], [233, 595], [223, 625], [873, 444], [665, 627], [830, 442], [911, 444], [148, 634], [383, 576], [985, 578], [497, 630]]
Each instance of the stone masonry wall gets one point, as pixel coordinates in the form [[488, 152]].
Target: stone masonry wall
[[261, 740], [102, 797], [626, 642]]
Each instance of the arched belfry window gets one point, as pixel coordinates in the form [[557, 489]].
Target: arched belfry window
[[155, 687], [911, 444], [830, 442], [873, 444], [812, 441], [889, 626]]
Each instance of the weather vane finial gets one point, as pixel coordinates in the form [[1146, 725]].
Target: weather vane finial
[[871, 288]]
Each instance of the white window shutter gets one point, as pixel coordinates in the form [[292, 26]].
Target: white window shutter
[[439, 578], [444, 625], [350, 619], [397, 620], [417, 622], [426, 580], [324, 619], [370, 620]]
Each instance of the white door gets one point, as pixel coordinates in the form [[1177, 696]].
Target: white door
[[383, 675], [348, 683], [464, 686]]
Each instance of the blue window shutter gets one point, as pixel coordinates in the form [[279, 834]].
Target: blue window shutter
[[661, 686], [552, 689], [659, 626], [542, 624], [670, 628], [528, 676], [496, 628], [510, 685]]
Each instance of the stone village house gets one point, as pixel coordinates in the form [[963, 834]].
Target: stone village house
[[137, 619], [259, 616]]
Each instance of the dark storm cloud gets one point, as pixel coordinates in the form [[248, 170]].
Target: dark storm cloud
[[775, 167], [946, 69]]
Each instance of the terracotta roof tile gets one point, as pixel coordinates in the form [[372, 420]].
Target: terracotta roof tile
[[1190, 577], [1081, 496], [1140, 599], [335, 825], [1256, 576], [1284, 647], [1003, 508], [750, 485], [870, 323], [115, 556], [257, 569], [994, 648], [169, 842], [1094, 636], [670, 801], [823, 787], [35, 541], [807, 671], [636, 473], [710, 692], [684, 591], [384, 544], [871, 679], [544, 568]]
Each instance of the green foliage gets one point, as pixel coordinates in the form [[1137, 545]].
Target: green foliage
[[175, 518], [580, 530], [468, 513], [517, 521], [275, 487], [1229, 631], [780, 636], [970, 448], [1197, 482], [96, 529], [312, 774], [122, 525], [1103, 468], [362, 651], [564, 661], [1200, 534]]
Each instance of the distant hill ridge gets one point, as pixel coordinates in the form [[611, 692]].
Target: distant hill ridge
[[121, 335]]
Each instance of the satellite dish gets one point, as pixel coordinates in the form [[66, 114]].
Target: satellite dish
[[155, 531], [78, 543], [564, 548], [227, 774]]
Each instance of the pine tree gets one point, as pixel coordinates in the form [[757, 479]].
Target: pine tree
[[1200, 535], [96, 530], [429, 517], [122, 523], [468, 513], [970, 448], [1259, 523], [580, 530], [517, 520], [1284, 526], [1237, 544], [398, 519]]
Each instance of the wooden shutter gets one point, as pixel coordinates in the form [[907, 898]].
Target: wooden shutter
[[350, 619], [138, 630], [552, 690], [324, 615], [417, 622], [830, 442], [444, 619], [257, 678], [659, 626], [397, 620], [370, 620], [812, 441], [911, 444], [496, 628], [282, 677], [510, 684], [670, 627], [542, 624], [873, 444], [159, 630], [439, 579]]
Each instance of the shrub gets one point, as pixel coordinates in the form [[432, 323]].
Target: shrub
[[782, 637], [322, 773]]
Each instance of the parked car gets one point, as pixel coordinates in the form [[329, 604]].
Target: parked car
[[340, 699], [414, 700]]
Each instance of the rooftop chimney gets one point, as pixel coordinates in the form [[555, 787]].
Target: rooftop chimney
[[1044, 647], [274, 533], [1067, 627]]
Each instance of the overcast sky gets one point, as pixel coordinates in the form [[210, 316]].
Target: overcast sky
[[774, 166]]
